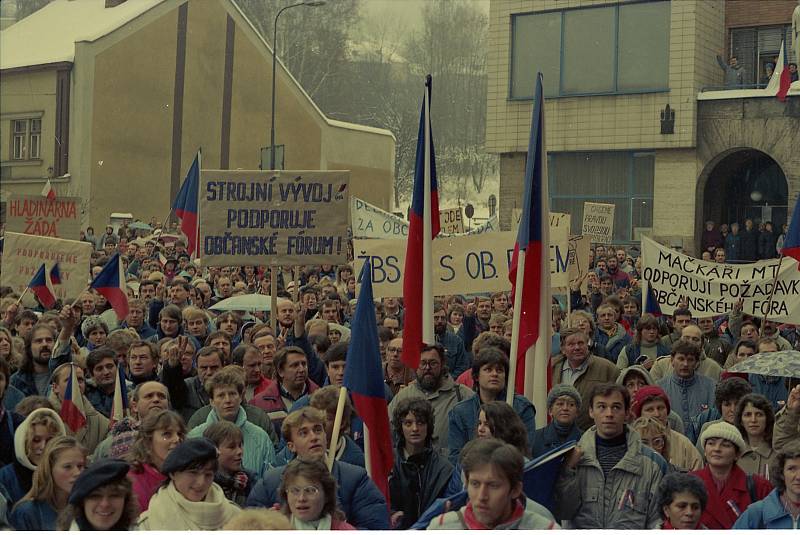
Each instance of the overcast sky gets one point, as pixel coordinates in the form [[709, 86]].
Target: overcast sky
[[405, 12]]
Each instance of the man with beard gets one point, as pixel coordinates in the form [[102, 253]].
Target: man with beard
[[458, 361], [476, 320], [435, 384], [33, 376]]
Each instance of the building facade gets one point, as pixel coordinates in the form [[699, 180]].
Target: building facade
[[114, 104], [626, 122]]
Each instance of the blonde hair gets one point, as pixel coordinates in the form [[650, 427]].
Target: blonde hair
[[296, 419], [258, 520], [193, 313], [653, 426], [14, 358], [44, 488]]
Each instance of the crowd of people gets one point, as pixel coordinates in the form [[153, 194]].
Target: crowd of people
[[736, 243], [231, 420]]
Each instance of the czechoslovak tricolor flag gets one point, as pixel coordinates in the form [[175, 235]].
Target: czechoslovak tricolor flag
[[111, 283], [529, 274], [119, 407], [791, 243], [652, 306], [185, 205], [55, 275], [423, 227], [41, 290], [363, 378], [48, 191], [72, 411]]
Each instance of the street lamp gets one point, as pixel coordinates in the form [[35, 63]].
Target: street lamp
[[308, 3]]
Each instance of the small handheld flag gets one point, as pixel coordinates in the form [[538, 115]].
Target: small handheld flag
[[55, 275], [38, 286], [363, 378], [119, 408], [110, 282], [186, 206], [72, 411], [652, 306], [48, 191]]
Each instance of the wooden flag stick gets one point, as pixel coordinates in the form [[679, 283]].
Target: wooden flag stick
[[337, 427], [19, 300], [511, 387]]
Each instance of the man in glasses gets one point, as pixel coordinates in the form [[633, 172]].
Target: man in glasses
[[396, 374], [435, 384]]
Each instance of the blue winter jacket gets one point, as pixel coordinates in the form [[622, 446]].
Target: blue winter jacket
[[612, 344], [352, 454], [768, 513], [463, 422], [25, 382], [33, 515], [547, 438], [359, 499]]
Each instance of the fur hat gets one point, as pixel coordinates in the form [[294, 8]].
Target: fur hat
[[91, 323]]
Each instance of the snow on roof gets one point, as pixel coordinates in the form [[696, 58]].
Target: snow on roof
[[49, 35], [359, 127]]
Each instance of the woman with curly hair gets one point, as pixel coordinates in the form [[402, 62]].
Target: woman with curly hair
[[102, 499], [159, 433], [63, 460], [755, 420], [308, 494]]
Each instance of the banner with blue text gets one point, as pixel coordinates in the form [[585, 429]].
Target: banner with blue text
[[288, 218]]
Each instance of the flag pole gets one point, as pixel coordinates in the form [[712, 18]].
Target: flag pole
[[337, 427], [24, 292], [512, 364], [771, 293]]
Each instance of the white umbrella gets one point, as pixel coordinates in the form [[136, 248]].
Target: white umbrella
[[246, 302]]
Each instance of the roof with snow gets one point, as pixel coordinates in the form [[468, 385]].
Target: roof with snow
[[49, 35]]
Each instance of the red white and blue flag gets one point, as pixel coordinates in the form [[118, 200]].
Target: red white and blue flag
[[41, 290], [791, 242], [186, 205], [785, 76], [363, 378], [72, 411], [119, 407], [423, 227], [55, 275], [652, 306], [110, 283], [529, 272]]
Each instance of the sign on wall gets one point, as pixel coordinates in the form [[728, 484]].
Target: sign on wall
[[23, 254], [598, 222], [251, 218], [40, 216], [451, 220]]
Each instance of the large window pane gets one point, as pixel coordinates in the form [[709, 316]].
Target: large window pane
[[643, 55], [644, 165], [589, 44], [536, 47], [591, 173]]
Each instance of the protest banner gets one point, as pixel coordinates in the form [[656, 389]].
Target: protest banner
[[40, 216], [23, 254], [710, 289], [288, 218], [598, 222], [369, 221], [461, 264], [578, 263], [451, 220]]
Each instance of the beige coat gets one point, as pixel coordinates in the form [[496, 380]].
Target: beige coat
[[682, 452], [598, 371], [707, 367], [758, 460]]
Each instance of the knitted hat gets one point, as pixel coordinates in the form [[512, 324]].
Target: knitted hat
[[97, 475], [644, 393], [725, 431], [563, 390], [92, 323], [189, 452]]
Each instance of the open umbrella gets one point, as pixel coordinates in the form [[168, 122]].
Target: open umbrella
[[247, 303], [775, 364], [138, 225]]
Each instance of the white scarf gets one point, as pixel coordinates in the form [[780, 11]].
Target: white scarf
[[170, 511], [322, 524]]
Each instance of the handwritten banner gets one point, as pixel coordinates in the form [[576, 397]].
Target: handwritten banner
[[288, 218], [711, 289], [40, 216], [598, 221], [579, 247], [23, 254], [369, 221], [461, 264], [451, 221]]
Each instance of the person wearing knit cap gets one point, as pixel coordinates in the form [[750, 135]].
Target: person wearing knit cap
[[563, 404], [94, 331], [189, 498], [102, 499], [635, 377], [730, 490], [653, 401]]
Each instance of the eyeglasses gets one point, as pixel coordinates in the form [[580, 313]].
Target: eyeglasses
[[310, 490], [430, 364], [655, 442], [393, 349]]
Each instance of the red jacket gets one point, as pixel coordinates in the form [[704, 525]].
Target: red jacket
[[721, 511], [145, 483], [270, 401]]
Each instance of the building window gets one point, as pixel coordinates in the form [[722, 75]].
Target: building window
[[599, 50], [624, 179], [755, 48], [26, 139]]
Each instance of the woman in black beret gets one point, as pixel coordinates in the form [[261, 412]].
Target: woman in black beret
[[102, 499], [189, 498]]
